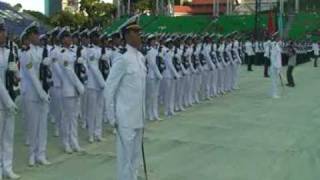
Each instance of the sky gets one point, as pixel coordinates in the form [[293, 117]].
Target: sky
[[36, 5]]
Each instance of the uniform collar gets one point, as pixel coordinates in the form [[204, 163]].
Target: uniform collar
[[131, 49], [32, 46]]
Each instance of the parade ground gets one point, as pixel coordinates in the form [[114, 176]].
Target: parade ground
[[244, 135]]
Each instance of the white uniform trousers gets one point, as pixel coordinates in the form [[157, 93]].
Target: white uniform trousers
[[275, 76], [83, 109], [56, 106], [169, 96], [36, 114], [205, 84], [153, 88], [179, 90], [221, 74], [94, 115], [162, 91], [51, 107], [236, 73], [197, 86], [214, 82], [6, 141], [187, 99], [226, 78], [24, 120], [129, 153], [69, 122]]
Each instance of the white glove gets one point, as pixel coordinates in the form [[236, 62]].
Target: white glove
[[112, 122], [104, 57], [47, 61], [44, 97], [81, 89], [12, 107], [111, 117], [81, 60], [12, 66]]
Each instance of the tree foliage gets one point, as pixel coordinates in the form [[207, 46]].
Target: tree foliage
[[39, 16], [17, 7], [142, 5], [67, 18], [99, 13]]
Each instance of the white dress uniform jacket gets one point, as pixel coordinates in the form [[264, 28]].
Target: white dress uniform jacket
[[125, 95]]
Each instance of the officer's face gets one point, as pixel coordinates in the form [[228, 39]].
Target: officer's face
[[3, 36], [75, 40], [25, 41], [116, 41], [152, 42], [85, 41], [133, 37], [34, 38], [67, 41]]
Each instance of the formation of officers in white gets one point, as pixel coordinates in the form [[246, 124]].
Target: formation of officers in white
[[91, 78]]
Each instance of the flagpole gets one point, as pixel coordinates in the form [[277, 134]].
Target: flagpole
[[281, 18], [297, 4], [213, 10], [118, 9], [129, 4]]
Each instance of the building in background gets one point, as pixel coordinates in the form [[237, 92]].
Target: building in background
[[55, 6], [52, 7], [249, 6], [204, 7], [71, 5], [227, 7]]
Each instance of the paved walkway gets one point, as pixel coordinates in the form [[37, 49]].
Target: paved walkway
[[241, 136]]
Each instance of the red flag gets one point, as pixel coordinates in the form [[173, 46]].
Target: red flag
[[271, 27]]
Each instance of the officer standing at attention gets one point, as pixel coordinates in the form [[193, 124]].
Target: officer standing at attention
[[276, 65], [125, 101], [291, 63], [266, 55], [249, 53], [36, 98], [71, 91], [7, 107], [153, 80], [95, 86], [316, 54]]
